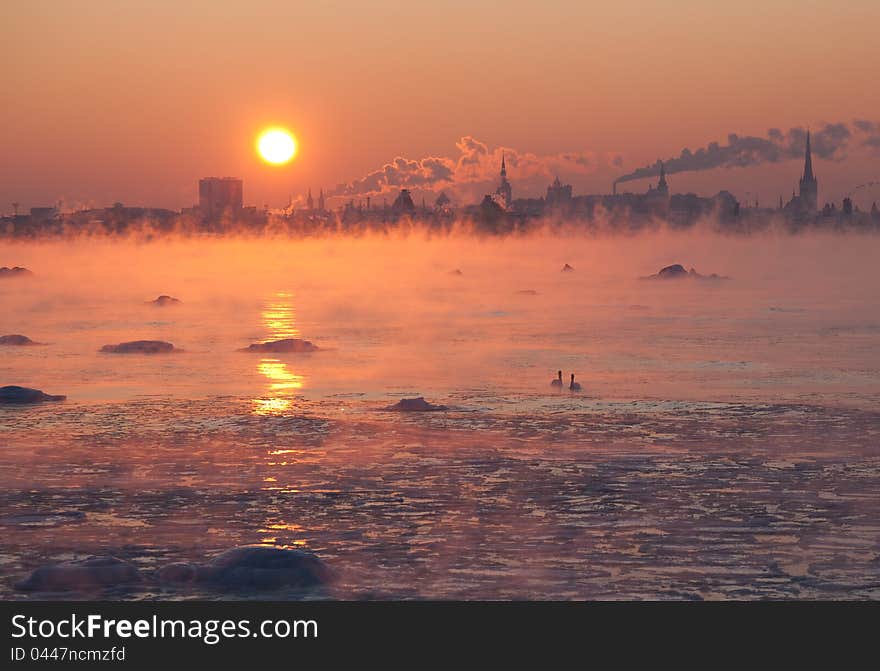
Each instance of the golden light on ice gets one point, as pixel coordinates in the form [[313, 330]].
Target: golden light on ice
[[276, 146], [278, 320]]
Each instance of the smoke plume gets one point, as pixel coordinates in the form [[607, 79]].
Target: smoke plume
[[474, 168], [829, 142]]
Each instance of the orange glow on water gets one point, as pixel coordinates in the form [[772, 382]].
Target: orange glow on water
[[278, 317], [280, 377], [278, 320]]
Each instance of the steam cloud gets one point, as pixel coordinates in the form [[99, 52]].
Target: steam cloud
[[475, 165], [475, 169], [828, 142]]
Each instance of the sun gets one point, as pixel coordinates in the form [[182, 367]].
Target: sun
[[276, 146]]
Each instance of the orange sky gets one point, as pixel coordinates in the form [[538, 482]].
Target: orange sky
[[134, 101]]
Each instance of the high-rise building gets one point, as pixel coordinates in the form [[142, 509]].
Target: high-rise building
[[218, 195], [809, 185]]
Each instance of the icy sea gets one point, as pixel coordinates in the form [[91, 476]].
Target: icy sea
[[725, 443]]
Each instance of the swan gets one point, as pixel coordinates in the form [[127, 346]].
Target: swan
[[557, 382], [574, 386]]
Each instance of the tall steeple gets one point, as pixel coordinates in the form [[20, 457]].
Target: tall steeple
[[309, 202], [662, 185], [504, 191], [808, 161], [809, 185]]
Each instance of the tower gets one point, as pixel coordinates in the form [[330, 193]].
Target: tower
[[321, 200], [504, 190], [662, 186], [403, 203], [809, 185], [310, 204]]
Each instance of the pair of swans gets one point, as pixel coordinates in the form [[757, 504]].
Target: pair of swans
[[573, 386]]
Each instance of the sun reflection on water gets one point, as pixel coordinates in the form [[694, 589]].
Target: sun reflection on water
[[278, 320]]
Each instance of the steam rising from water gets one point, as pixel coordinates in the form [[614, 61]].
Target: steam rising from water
[[396, 318]]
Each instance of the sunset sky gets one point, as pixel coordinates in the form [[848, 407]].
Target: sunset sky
[[134, 101]]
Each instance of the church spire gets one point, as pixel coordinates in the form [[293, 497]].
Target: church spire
[[809, 185], [504, 190], [808, 161], [662, 186]]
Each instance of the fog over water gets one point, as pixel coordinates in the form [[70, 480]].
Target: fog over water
[[725, 443]]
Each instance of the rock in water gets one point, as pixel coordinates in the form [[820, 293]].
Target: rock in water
[[415, 405], [15, 395], [678, 272], [16, 340], [672, 272], [282, 346], [140, 347], [14, 272], [164, 301], [567, 268], [253, 567], [262, 566], [81, 575]]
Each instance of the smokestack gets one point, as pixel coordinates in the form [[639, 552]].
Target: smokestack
[[741, 151]]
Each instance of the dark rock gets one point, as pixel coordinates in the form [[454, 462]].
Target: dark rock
[[140, 347], [17, 341], [15, 395], [415, 405], [253, 567], [567, 268], [89, 574], [282, 346], [164, 301], [678, 272], [14, 272], [675, 271]]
